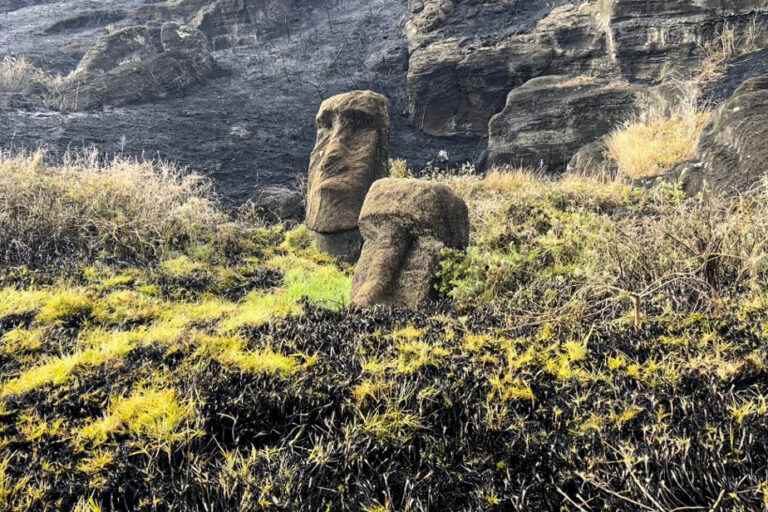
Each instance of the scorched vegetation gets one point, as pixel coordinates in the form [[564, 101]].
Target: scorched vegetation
[[599, 347]]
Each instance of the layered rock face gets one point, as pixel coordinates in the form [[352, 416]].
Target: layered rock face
[[351, 152], [468, 57], [138, 65], [447, 66], [406, 223], [732, 154], [547, 120]]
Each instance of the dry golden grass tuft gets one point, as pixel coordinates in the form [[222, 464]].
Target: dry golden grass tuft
[[398, 168], [650, 147], [16, 74], [19, 74], [89, 208], [663, 134], [729, 43]]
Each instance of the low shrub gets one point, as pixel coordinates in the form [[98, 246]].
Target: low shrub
[[583, 247]]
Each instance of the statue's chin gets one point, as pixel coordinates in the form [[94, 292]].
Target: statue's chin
[[333, 209]]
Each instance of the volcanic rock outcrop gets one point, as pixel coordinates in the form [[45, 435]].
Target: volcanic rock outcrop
[[467, 56], [137, 65], [447, 67], [406, 223], [732, 155], [547, 120], [351, 152]]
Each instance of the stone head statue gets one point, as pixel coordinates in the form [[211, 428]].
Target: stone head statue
[[351, 152], [405, 224]]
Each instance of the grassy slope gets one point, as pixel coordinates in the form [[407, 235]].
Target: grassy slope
[[604, 349]]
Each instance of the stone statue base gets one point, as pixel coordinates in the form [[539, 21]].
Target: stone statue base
[[344, 245]]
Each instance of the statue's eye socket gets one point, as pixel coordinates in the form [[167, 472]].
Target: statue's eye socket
[[324, 122], [359, 120]]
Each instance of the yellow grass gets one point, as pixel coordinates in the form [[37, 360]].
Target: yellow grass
[[87, 207], [16, 74], [650, 147], [154, 414]]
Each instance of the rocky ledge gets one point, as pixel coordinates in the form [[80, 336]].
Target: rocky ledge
[[230, 87]]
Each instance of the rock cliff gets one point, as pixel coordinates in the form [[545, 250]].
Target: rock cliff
[[234, 94]]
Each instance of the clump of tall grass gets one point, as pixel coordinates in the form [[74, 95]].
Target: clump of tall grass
[[86, 208], [661, 135], [17, 74], [729, 43], [542, 246]]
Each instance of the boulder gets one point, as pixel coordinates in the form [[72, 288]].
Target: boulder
[[593, 160], [405, 224], [351, 152], [732, 152], [139, 64], [277, 203], [547, 120]]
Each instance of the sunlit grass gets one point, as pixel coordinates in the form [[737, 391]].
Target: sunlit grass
[[649, 147], [156, 414]]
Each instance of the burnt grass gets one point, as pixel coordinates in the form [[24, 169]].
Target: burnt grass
[[303, 441]]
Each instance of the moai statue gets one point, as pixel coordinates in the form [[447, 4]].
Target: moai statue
[[351, 152], [405, 224]]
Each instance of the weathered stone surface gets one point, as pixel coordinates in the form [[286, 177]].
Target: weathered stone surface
[[139, 64], [467, 56], [351, 152], [547, 120], [732, 155], [223, 20], [592, 160], [461, 70], [739, 70], [278, 203], [406, 223], [657, 38]]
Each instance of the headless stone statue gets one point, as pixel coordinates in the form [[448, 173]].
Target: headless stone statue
[[406, 223]]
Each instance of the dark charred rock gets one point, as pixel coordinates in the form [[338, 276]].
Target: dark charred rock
[[651, 39], [457, 79], [546, 121], [137, 65], [278, 203], [738, 71], [90, 19], [732, 153]]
